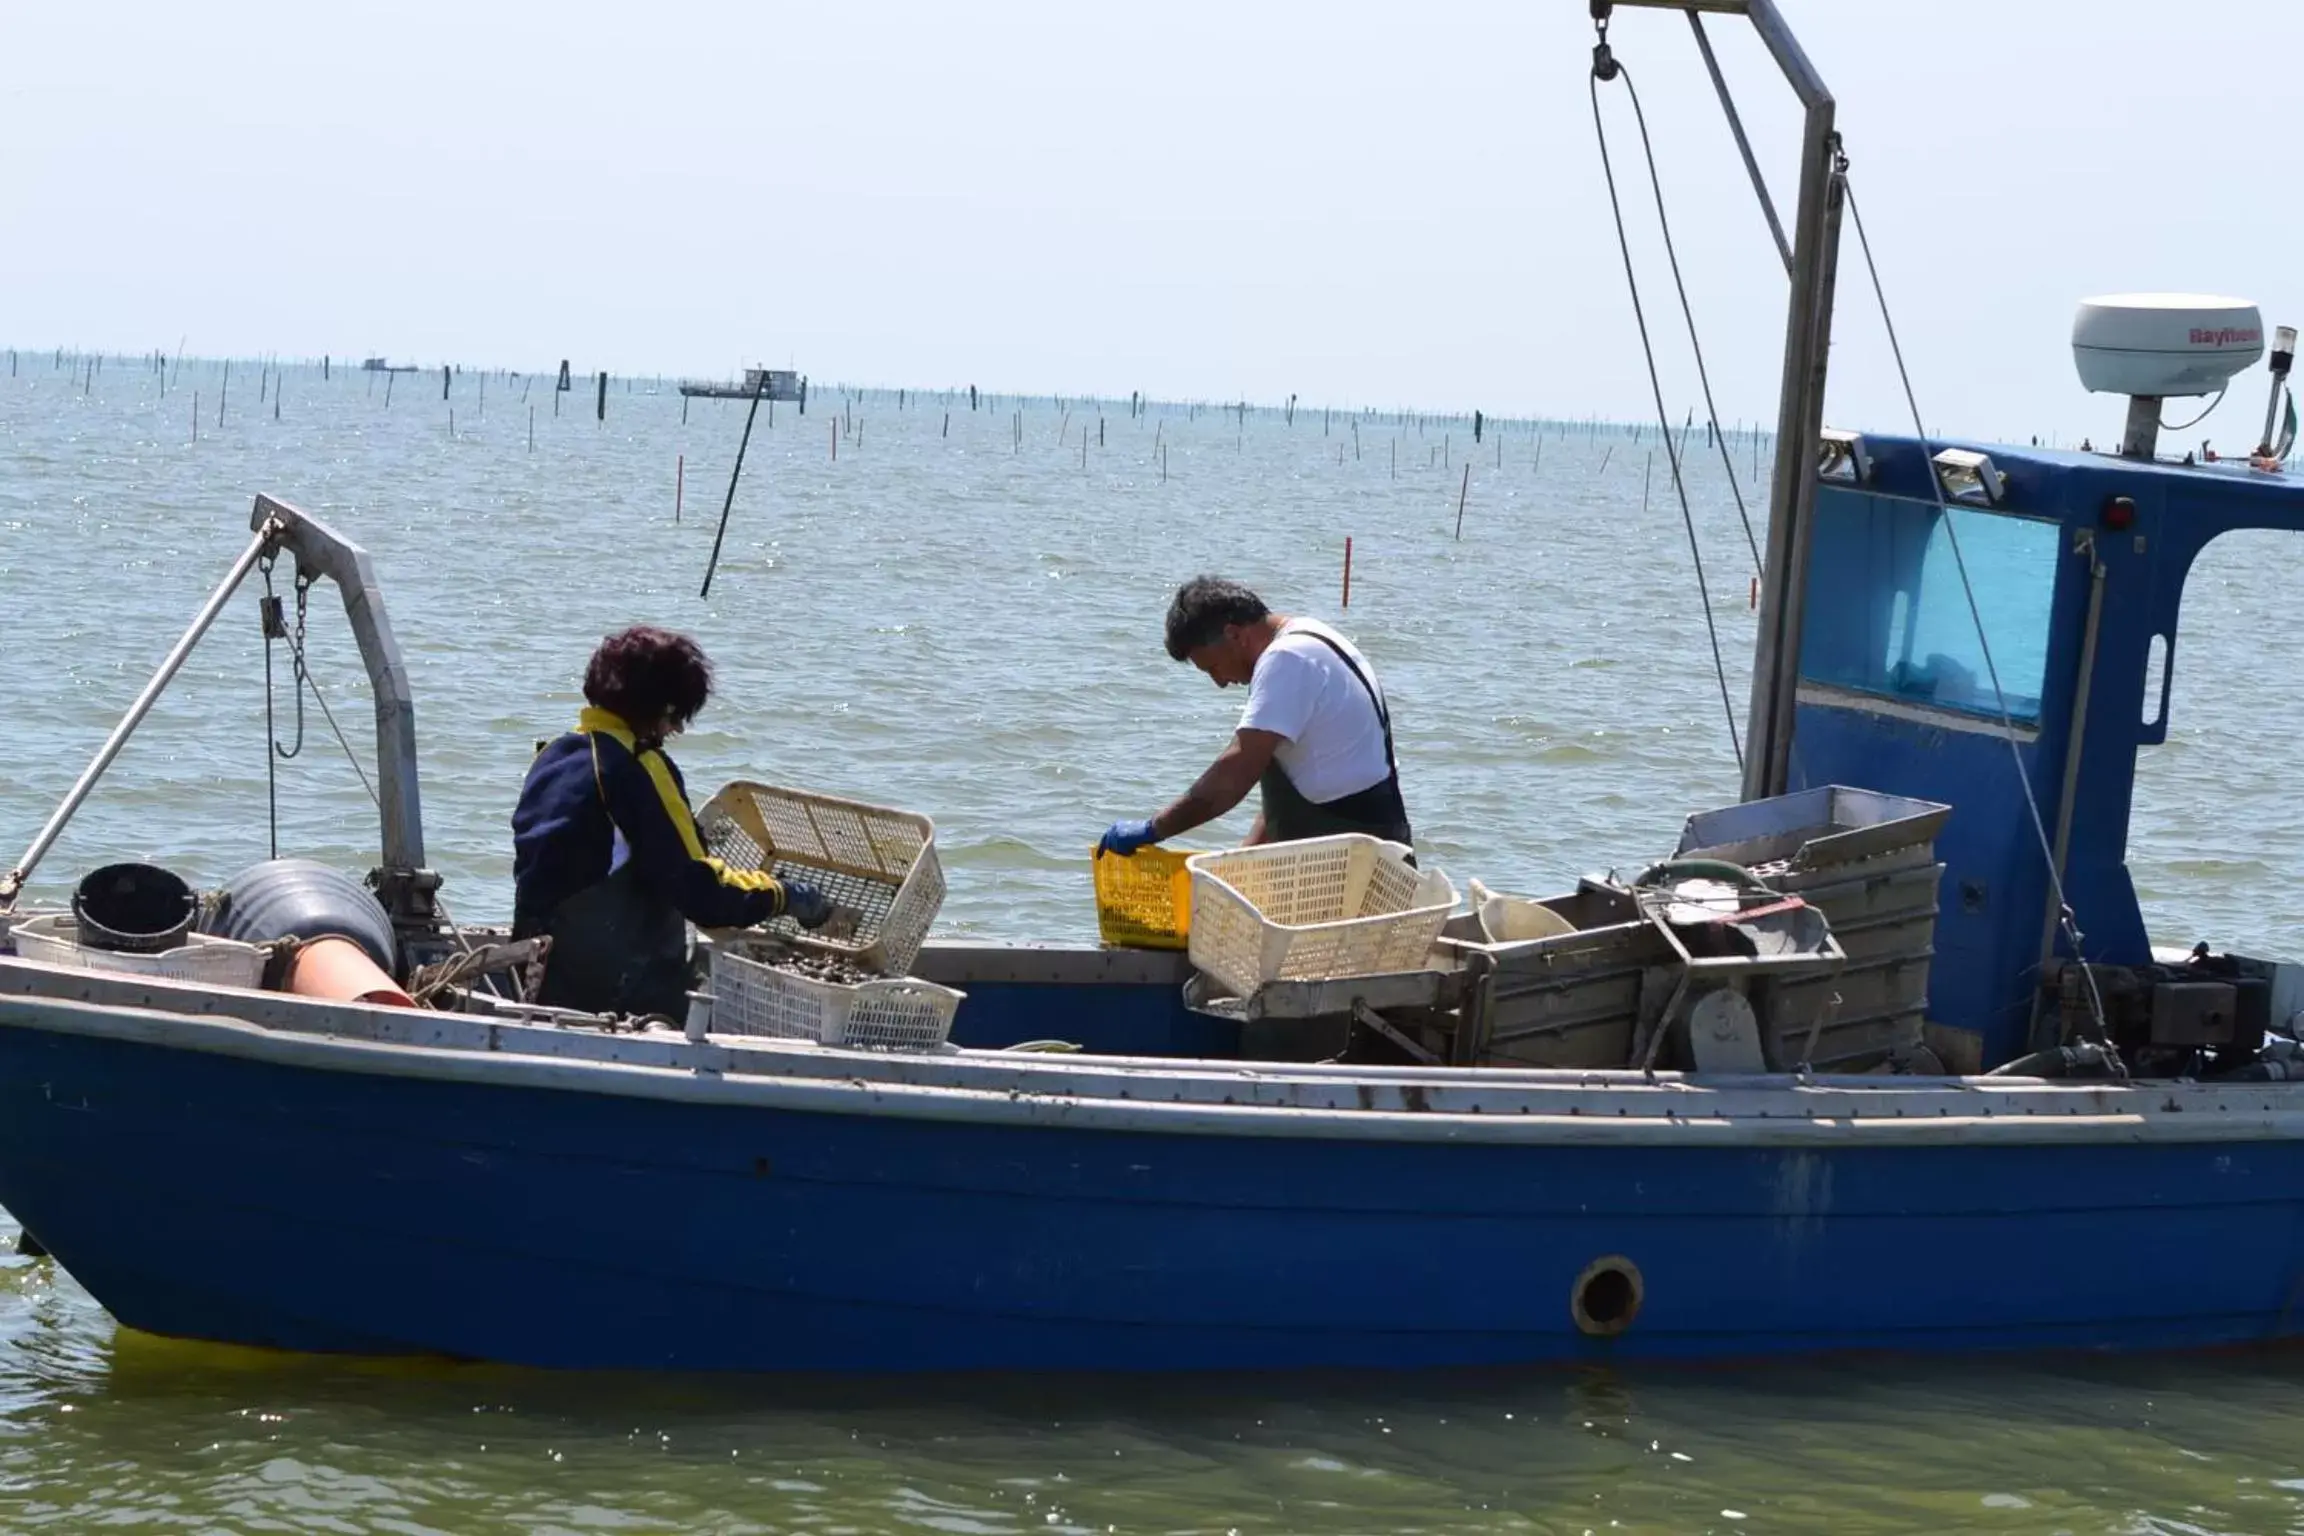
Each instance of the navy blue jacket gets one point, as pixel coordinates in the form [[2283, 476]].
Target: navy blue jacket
[[595, 782]]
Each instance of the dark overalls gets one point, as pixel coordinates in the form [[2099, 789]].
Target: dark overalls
[[1377, 810], [619, 925]]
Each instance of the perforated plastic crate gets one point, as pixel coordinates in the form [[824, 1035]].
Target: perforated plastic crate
[[1144, 899], [751, 997], [201, 958], [871, 861], [1349, 905]]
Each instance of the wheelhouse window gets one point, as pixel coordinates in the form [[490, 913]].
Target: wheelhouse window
[[1888, 614]]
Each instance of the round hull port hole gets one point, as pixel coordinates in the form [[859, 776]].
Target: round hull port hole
[[1606, 1297]]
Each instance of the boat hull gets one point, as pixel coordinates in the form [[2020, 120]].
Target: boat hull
[[252, 1199]]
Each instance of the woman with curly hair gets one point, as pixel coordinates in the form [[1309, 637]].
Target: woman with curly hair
[[606, 857]]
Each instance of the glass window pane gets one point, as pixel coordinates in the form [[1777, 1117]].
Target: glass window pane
[[1889, 615]]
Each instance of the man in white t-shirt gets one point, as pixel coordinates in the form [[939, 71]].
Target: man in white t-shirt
[[1316, 737]]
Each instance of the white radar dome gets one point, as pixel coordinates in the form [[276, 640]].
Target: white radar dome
[[2159, 344]]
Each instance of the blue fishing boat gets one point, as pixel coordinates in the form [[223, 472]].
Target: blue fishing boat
[[1981, 1112]]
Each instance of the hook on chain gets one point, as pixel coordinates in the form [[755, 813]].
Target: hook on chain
[[1604, 64]]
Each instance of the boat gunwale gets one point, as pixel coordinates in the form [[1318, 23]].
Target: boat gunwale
[[1106, 1093]]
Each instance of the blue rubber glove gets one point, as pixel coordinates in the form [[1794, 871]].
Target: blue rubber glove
[[806, 905], [1126, 837]]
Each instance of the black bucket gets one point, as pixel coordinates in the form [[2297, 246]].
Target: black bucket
[[134, 907]]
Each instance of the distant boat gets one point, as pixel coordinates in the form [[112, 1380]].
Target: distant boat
[[767, 383], [378, 365]]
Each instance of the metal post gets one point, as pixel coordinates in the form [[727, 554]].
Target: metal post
[[1743, 144], [321, 551], [1791, 497], [2140, 438], [13, 881], [2078, 728]]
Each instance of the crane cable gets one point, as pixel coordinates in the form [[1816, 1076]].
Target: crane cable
[[2065, 918], [1605, 66]]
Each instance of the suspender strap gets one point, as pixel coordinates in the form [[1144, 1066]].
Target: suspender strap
[[1376, 700]]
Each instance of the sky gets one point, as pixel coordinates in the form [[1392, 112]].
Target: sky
[[1360, 204]]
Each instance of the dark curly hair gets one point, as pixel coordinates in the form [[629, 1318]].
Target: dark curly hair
[[646, 674], [1203, 608]]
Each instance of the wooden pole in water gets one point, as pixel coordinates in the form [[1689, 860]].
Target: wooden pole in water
[[741, 444], [1462, 492], [602, 408], [388, 378], [679, 483], [835, 439], [1347, 571], [1355, 439], [443, 381], [947, 424], [323, 367], [531, 429]]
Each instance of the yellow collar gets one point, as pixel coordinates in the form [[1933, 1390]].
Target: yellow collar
[[607, 723]]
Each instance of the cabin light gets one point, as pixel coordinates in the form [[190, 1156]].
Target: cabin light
[[2119, 513], [1967, 476], [1842, 456]]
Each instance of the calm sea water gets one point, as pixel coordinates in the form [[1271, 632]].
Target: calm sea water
[[950, 619]]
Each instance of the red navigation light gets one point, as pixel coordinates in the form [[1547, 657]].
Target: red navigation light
[[2119, 512]]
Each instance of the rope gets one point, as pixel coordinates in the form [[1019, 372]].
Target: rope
[[1604, 66], [1688, 314], [304, 676], [2065, 919]]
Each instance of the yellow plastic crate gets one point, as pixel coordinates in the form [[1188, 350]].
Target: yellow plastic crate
[[1144, 899]]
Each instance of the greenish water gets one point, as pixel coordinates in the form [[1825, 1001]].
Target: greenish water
[[947, 620], [102, 1431]]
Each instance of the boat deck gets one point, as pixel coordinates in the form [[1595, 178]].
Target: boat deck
[[542, 1048]]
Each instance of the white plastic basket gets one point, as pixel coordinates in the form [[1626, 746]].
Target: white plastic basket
[[211, 961], [1349, 905], [897, 1014], [875, 862]]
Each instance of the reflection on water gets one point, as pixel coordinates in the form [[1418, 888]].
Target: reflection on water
[[130, 1429]]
